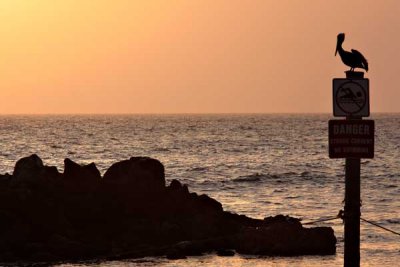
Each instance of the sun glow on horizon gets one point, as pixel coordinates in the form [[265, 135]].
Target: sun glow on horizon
[[186, 56]]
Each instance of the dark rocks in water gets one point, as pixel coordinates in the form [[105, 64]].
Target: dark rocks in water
[[176, 187], [82, 179], [75, 172], [176, 255], [137, 175], [286, 238], [30, 171], [225, 253], [27, 169], [5, 179], [278, 219], [130, 212]]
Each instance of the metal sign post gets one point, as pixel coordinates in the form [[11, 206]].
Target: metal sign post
[[351, 139]]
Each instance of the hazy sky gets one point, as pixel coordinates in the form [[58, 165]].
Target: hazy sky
[[127, 56]]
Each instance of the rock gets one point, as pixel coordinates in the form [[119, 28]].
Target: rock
[[208, 204], [46, 215], [81, 173], [7, 221], [225, 253], [27, 169], [175, 186], [5, 179], [42, 256], [64, 248], [81, 180], [175, 255], [190, 248], [137, 175], [318, 240], [50, 173], [9, 256], [31, 172], [16, 236], [282, 219], [286, 239]]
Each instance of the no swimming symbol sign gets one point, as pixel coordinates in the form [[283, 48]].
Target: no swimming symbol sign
[[351, 97]]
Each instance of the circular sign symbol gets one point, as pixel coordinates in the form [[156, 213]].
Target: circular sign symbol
[[351, 97]]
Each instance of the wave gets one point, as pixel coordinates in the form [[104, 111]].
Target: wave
[[281, 177], [161, 149], [199, 169], [260, 176], [292, 197], [305, 174], [393, 221], [251, 178]]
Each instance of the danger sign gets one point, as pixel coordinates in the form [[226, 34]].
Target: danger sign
[[351, 138]]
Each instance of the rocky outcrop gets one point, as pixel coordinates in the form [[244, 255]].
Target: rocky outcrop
[[27, 169], [130, 212], [139, 175], [30, 170], [81, 173], [285, 236]]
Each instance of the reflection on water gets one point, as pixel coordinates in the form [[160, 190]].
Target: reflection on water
[[258, 165]]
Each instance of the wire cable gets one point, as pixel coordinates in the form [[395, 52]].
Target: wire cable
[[338, 216], [380, 226]]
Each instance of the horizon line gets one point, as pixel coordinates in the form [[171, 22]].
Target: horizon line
[[185, 113]]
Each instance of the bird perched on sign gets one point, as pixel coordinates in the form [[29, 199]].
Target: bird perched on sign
[[353, 59]]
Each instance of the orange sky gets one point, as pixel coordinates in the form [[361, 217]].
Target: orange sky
[[127, 56]]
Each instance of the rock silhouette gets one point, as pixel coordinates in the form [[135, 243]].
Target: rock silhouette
[[49, 216]]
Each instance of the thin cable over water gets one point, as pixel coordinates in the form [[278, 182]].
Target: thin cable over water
[[380, 226]]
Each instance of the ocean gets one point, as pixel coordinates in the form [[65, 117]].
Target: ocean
[[254, 164]]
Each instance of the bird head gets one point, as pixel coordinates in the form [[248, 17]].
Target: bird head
[[340, 40]]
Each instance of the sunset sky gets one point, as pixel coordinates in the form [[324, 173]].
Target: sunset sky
[[191, 56]]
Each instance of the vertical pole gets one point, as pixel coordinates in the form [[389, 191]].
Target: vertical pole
[[352, 213], [352, 199]]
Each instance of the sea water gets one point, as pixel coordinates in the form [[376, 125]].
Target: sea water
[[257, 165]]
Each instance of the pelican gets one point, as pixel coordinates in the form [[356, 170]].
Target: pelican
[[353, 59]]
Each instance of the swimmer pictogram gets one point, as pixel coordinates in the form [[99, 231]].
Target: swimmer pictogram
[[350, 97]]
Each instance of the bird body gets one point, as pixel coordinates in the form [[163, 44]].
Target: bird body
[[353, 59]]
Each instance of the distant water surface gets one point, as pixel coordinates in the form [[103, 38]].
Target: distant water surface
[[258, 165]]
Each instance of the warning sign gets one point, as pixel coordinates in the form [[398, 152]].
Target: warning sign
[[351, 97], [351, 138]]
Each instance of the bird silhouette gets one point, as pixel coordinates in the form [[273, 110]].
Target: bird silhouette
[[353, 59]]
